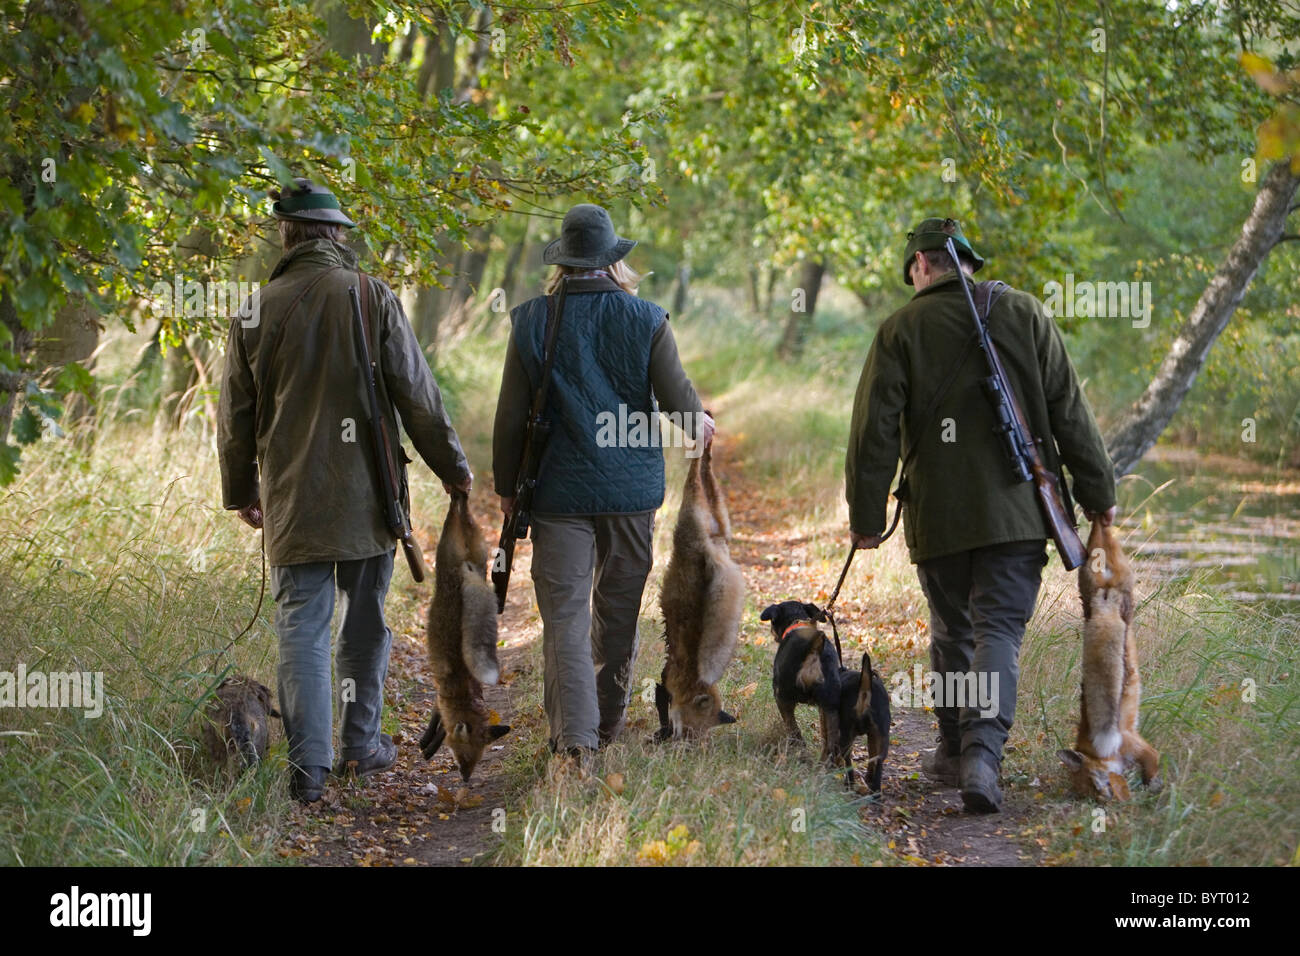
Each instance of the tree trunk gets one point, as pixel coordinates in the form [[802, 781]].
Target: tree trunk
[[755, 304], [803, 304], [681, 294], [1142, 424]]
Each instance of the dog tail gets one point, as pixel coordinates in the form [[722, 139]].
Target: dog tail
[[863, 704]]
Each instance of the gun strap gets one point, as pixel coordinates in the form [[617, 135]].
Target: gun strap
[[551, 335], [363, 293]]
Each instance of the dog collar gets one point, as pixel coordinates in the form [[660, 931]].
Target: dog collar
[[802, 623]]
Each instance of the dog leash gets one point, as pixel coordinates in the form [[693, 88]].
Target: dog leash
[[257, 611], [844, 572]]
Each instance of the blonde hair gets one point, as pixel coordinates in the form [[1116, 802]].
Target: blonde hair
[[623, 274]]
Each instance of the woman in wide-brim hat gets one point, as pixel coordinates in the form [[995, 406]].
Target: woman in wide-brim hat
[[601, 481]]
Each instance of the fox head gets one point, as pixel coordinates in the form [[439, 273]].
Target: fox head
[[467, 741], [698, 712], [1090, 777]]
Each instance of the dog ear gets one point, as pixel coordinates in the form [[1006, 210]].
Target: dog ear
[[768, 613], [725, 718], [1072, 759], [497, 731], [814, 613]]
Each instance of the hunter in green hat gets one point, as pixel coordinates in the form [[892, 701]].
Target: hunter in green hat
[[973, 529], [296, 461]]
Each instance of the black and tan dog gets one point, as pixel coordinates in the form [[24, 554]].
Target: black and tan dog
[[807, 670]]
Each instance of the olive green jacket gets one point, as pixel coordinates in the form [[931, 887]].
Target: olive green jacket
[[962, 494], [293, 424]]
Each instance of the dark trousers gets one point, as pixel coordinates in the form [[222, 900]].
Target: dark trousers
[[980, 602]]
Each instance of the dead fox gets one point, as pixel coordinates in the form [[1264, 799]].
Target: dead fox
[[238, 720], [1108, 743], [462, 635], [702, 598]]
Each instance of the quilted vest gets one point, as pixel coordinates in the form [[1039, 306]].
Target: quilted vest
[[600, 392]]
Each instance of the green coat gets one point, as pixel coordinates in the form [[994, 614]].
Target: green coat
[[308, 454], [962, 493]]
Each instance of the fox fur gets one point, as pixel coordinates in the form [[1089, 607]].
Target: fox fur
[[462, 635], [1108, 744], [238, 721], [702, 600]]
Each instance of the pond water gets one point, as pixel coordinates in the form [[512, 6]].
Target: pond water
[[1234, 526]]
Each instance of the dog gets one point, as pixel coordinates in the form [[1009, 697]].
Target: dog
[[1108, 744], [702, 600], [807, 670], [238, 720], [462, 637]]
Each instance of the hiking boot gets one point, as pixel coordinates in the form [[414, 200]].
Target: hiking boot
[[941, 766], [383, 757], [307, 784], [979, 781]]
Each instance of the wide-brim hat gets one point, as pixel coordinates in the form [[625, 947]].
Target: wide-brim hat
[[304, 201], [934, 233], [587, 240]]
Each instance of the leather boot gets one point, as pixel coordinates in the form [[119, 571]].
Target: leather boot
[[307, 784], [979, 780]]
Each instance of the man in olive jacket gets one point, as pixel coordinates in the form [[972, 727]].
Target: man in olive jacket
[[975, 533], [295, 453]]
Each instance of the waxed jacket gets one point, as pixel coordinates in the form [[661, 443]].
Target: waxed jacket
[[962, 494], [293, 423]]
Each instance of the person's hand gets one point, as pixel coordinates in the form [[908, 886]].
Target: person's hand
[[252, 514], [866, 542], [458, 489], [1106, 517], [507, 505], [706, 429]]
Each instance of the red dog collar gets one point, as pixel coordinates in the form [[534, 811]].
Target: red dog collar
[[801, 623]]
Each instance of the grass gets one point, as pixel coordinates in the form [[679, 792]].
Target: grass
[[116, 557]]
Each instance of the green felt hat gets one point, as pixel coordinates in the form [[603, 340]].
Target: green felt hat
[[304, 201], [933, 234]]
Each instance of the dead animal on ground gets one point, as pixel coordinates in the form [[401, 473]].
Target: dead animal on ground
[[238, 721]]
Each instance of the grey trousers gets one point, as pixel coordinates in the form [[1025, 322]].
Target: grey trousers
[[304, 608], [589, 572], [980, 602]]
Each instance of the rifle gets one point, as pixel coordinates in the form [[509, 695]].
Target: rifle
[[390, 490], [515, 526], [1021, 446]]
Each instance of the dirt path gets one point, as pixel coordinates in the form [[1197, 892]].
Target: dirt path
[[925, 825], [421, 813]]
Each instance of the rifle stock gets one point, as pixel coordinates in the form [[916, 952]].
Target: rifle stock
[[1027, 462]]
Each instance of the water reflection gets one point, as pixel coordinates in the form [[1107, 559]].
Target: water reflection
[[1234, 524]]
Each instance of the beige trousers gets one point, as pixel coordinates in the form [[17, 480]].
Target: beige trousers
[[589, 572]]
